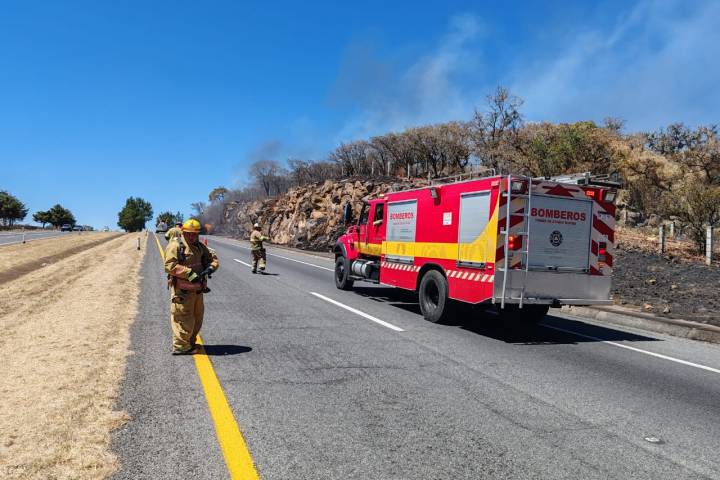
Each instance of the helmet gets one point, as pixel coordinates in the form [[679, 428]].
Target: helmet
[[191, 226], [257, 225]]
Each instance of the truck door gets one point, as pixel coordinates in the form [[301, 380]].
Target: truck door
[[362, 228], [376, 226]]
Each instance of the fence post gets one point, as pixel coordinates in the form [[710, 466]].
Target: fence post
[[662, 239], [709, 245]]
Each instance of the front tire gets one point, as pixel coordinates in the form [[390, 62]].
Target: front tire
[[342, 274], [433, 297]]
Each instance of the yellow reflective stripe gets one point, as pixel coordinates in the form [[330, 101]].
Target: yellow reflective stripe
[[369, 248]]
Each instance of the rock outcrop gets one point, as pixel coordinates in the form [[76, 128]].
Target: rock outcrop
[[308, 217]]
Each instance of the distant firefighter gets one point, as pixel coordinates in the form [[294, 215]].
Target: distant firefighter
[[258, 251]]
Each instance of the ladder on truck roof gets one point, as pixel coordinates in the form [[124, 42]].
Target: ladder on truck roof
[[525, 233]]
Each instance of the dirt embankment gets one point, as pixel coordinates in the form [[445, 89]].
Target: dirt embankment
[[65, 329]]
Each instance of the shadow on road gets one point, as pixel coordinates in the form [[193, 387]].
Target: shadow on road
[[225, 349], [485, 322]]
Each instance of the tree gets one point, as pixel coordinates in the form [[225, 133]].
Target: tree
[[134, 214], [199, 208], [494, 131], [42, 217], [217, 193], [264, 171], [11, 209], [60, 215], [168, 218]]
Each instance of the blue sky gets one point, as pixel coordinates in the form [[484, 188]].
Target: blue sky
[[100, 101]]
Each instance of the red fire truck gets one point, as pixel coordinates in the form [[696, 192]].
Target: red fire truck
[[515, 243]]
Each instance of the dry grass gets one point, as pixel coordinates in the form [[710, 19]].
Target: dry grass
[[19, 259], [65, 337]]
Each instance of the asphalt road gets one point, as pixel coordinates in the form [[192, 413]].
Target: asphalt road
[[15, 237], [320, 392]]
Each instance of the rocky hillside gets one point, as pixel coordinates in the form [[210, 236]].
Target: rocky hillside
[[309, 217]]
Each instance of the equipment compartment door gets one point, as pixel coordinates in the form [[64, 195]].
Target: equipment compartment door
[[401, 223], [473, 248]]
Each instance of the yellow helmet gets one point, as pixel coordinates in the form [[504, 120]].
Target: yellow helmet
[[192, 226]]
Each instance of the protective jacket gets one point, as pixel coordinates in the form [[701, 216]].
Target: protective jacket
[[182, 260], [256, 240]]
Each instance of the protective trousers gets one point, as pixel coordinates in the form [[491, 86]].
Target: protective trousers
[[258, 259], [186, 317]]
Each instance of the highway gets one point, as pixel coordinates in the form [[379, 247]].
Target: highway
[[17, 237], [327, 384]]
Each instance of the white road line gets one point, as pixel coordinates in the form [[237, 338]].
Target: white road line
[[358, 312], [652, 354], [300, 261], [240, 261]]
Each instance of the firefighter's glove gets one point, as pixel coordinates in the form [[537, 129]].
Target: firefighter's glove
[[194, 277], [208, 271]]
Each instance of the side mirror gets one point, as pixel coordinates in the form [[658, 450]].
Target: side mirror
[[347, 214]]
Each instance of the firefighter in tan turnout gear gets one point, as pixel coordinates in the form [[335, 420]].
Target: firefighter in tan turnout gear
[[257, 249], [188, 264]]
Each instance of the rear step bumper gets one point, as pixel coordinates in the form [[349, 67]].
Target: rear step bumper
[[549, 288]]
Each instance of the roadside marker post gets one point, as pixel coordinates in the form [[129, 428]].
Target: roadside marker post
[[661, 237], [138, 243], [709, 245]]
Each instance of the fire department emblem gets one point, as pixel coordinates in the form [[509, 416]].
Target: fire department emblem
[[556, 238]]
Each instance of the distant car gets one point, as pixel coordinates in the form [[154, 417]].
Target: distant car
[[66, 227], [106, 229], [161, 227], [77, 228]]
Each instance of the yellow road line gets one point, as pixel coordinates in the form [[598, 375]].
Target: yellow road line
[[237, 456]]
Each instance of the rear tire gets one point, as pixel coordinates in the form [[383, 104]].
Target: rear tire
[[342, 274], [433, 297]]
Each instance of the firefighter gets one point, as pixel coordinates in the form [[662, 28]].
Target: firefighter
[[174, 232], [257, 249], [188, 264]]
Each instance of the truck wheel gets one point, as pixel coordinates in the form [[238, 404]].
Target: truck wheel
[[433, 296], [342, 274]]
